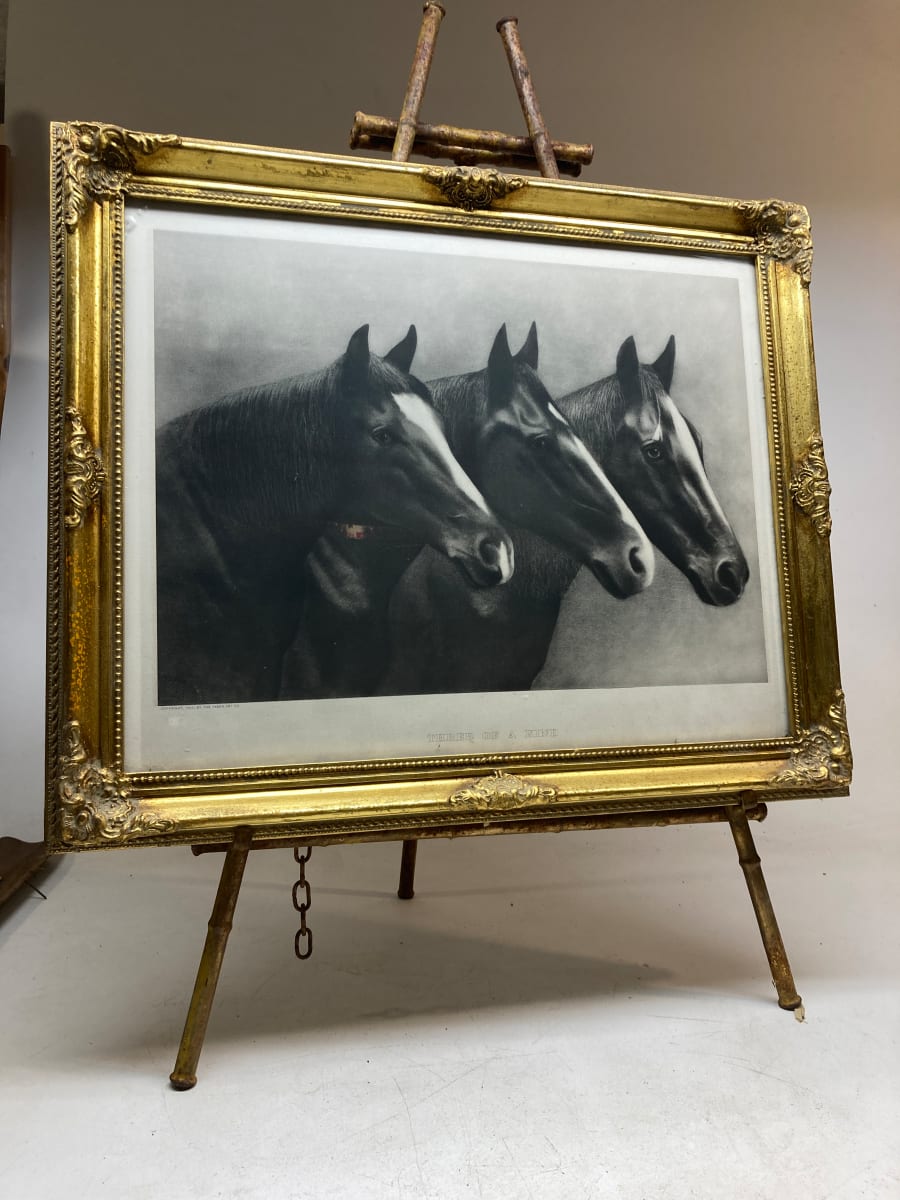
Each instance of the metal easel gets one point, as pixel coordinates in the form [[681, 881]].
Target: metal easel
[[469, 147]]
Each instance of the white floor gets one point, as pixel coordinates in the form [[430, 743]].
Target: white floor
[[574, 1016]]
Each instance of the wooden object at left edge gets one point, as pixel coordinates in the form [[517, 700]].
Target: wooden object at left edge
[[18, 860]]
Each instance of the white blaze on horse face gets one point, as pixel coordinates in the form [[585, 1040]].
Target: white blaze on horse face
[[646, 421], [505, 562], [688, 447], [425, 418], [626, 515]]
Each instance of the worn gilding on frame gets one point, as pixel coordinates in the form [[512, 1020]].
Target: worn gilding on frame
[[98, 162], [83, 471], [93, 802], [823, 755], [810, 487], [782, 231]]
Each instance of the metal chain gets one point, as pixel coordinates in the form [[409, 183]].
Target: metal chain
[[302, 906]]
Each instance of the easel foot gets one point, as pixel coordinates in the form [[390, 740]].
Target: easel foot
[[182, 1083], [792, 1004]]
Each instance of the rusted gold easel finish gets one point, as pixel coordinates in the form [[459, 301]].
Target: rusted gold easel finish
[[782, 976], [185, 1074], [736, 815], [473, 147]]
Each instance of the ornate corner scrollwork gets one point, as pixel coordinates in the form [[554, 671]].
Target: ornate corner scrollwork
[[823, 755], [810, 488], [96, 804], [98, 162], [83, 471], [782, 231], [472, 187], [501, 791]]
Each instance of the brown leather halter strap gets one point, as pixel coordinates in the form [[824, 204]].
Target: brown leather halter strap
[[364, 533]]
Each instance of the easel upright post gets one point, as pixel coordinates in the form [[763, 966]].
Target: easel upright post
[[508, 29], [185, 1074], [418, 77]]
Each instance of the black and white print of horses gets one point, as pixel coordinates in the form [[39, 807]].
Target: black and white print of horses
[[574, 513]]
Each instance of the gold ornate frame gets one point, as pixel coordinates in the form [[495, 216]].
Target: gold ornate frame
[[92, 802]]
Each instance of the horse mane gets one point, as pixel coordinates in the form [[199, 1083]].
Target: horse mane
[[596, 411], [461, 401], [268, 451]]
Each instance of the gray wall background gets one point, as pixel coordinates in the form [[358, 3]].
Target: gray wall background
[[794, 98]]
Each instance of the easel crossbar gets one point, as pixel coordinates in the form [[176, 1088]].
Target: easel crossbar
[[468, 147]]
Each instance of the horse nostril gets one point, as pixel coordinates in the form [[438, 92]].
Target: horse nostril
[[728, 575], [496, 555], [637, 563], [489, 552]]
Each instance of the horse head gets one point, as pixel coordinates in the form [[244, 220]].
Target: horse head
[[535, 471], [655, 459], [397, 468]]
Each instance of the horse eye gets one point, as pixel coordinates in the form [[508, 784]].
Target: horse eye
[[542, 442], [652, 451], [383, 436]]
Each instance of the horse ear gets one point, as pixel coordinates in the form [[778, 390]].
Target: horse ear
[[401, 355], [665, 364], [500, 370], [529, 352], [628, 369], [355, 368]]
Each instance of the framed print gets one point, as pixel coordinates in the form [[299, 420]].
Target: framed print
[[388, 498]]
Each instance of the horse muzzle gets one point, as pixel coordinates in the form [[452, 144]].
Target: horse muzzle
[[720, 583], [489, 563], [626, 573]]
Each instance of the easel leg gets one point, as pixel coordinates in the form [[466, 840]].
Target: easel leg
[[185, 1074], [406, 890], [765, 914]]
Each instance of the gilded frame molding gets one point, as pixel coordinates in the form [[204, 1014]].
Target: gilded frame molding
[[93, 803]]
